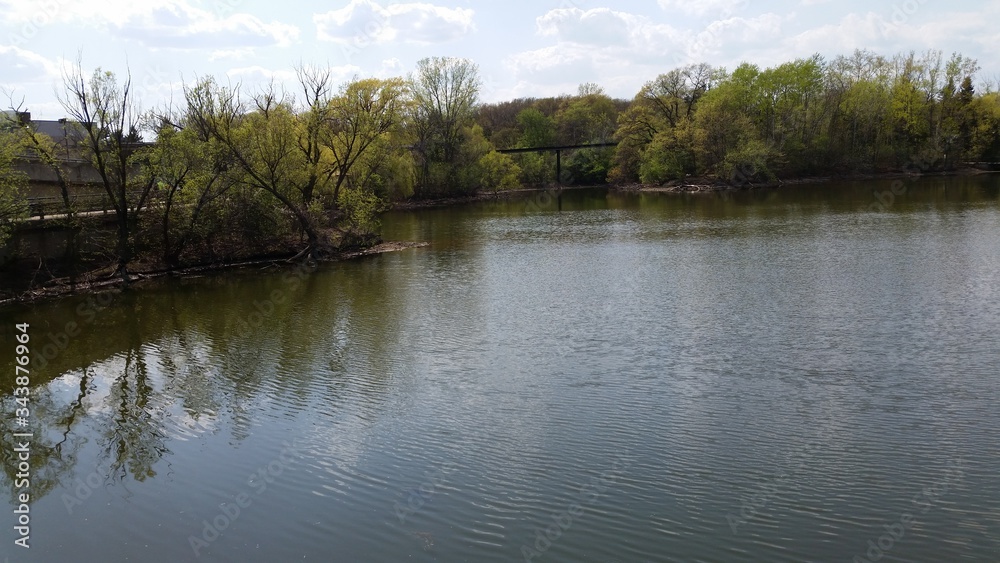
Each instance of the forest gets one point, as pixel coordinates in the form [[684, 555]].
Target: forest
[[228, 173]]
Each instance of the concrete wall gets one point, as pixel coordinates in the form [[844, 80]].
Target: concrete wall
[[75, 171]]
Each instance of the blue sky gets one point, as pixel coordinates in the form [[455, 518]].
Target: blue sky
[[523, 48]]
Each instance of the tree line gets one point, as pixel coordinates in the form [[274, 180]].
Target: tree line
[[230, 172], [858, 113]]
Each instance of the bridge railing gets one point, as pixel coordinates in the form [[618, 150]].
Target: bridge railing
[[43, 206], [558, 150]]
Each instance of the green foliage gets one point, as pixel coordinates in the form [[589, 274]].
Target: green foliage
[[13, 184], [367, 140], [586, 119], [395, 177], [499, 171], [862, 112], [237, 171], [538, 130], [445, 92], [360, 214], [588, 167], [537, 169], [720, 127], [107, 113], [749, 163], [985, 128], [668, 157], [637, 127], [464, 173]]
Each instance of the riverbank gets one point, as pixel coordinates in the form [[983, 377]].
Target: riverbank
[[705, 184], [106, 280]]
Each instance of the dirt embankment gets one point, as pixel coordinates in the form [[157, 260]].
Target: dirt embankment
[[704, 184], [106, 280]]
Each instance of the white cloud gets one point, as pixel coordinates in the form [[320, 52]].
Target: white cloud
[[608, 45], [174, 24], [257, 74], [20, 66], [600, 26], [179, 26], [554, 65], [392, 67], [723, 33], [233, 54], [853, 31], [714, 8], [619, 32], [364, 22]]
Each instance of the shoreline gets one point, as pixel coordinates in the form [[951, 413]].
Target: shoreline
[[62, 289], [700, 185], [710, 185], [428, 203]]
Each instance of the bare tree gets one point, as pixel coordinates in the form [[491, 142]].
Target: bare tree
[[109, 116]]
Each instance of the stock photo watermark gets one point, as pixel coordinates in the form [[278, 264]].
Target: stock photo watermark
[[900, 15], [82, 490], [419, 497], [212, 529], [563, 521], [754, 504], [45, 13], [922, 503], [885, 199]]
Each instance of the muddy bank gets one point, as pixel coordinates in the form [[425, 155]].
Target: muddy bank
[[103, 280], [483, 196], [711, 185]]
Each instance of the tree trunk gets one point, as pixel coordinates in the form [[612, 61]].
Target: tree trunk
[[124, 252]]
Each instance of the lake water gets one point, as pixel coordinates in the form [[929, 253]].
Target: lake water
[[802, 374]]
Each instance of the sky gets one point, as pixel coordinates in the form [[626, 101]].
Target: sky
[[524, 48]]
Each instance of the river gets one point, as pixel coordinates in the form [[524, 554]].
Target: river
[[804, 374]]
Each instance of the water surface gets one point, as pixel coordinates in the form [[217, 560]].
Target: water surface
[[780, 375]]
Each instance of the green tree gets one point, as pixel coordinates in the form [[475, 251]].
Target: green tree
[[192, 176], [500, 121], [536, 168], [109, 116], [445, 92], [587, 118], [723, 119], [364, 132], [984, 134], [637, 126], [13, 184], [669, 156], [655, 133], [500, 172], [43, 148], [537, 129], [276, 150], [675, 94]]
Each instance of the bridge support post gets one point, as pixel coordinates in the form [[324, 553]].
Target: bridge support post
[[558, 167]]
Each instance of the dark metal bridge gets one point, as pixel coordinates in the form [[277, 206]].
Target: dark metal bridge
[[558, 150]]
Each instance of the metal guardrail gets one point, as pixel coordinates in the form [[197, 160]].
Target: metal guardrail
[[41, 206]]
